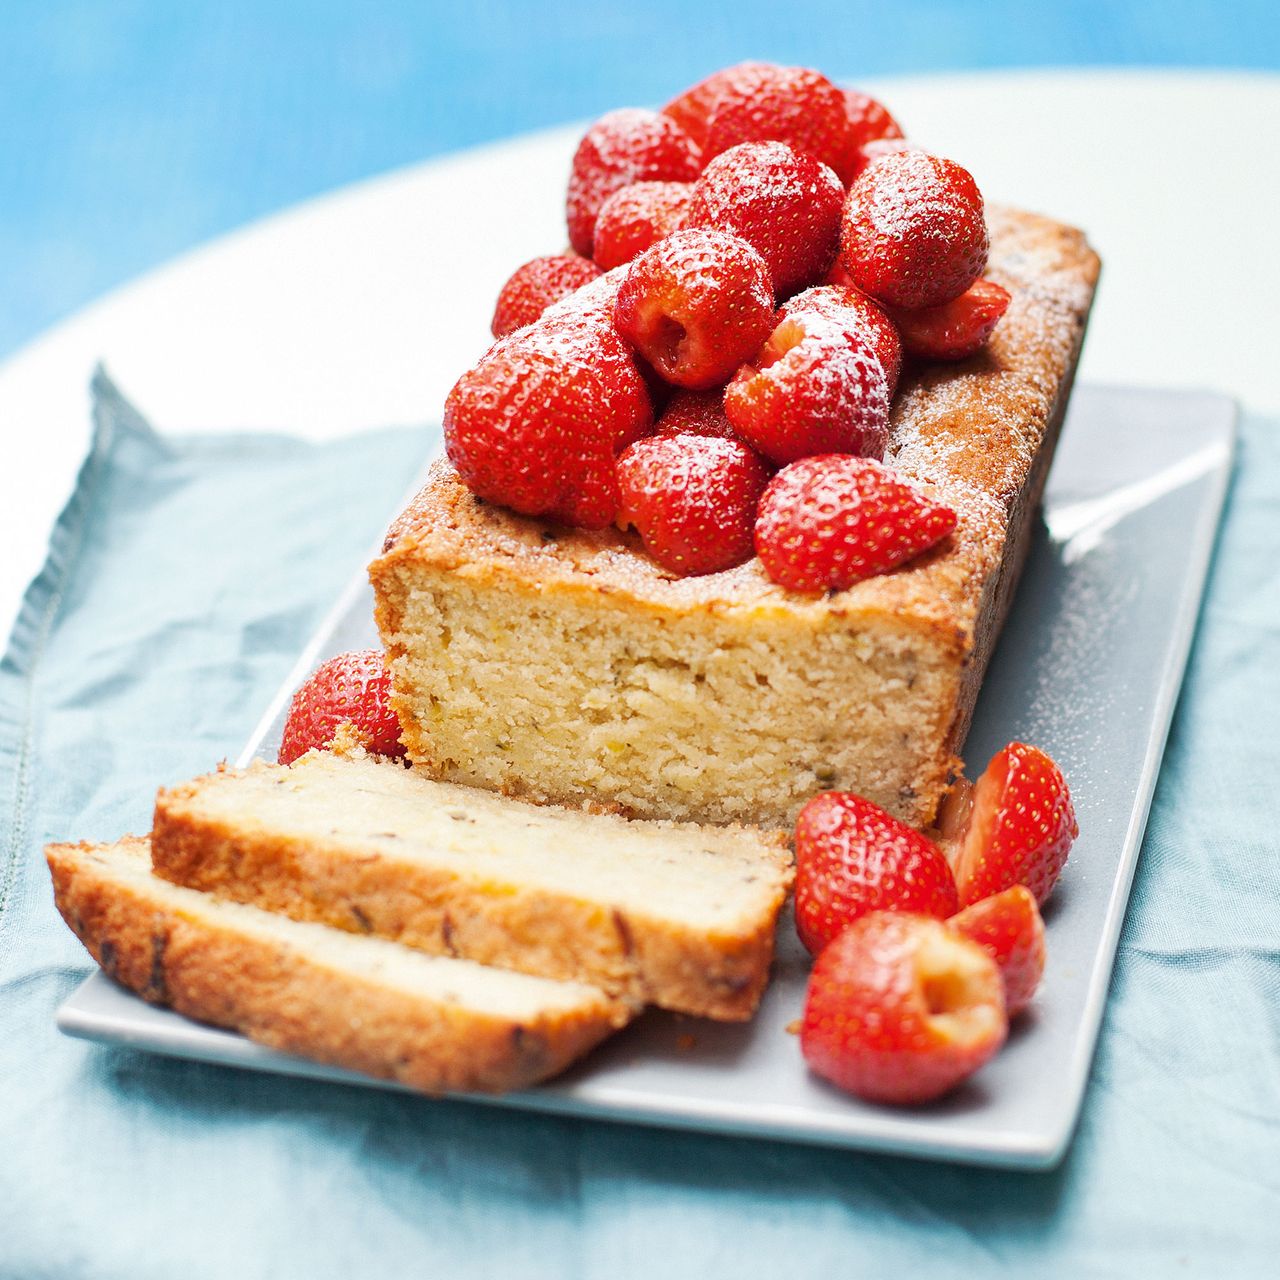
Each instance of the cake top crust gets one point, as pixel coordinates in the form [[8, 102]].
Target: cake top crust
[[968, 432]]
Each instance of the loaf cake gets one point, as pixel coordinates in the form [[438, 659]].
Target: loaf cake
[[565, 666], [431, 1023], [655, 912]]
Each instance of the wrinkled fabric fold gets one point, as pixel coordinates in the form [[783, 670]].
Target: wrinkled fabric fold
[[182, 579]]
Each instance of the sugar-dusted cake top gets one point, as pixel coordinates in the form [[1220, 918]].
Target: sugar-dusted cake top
[[971, 430]]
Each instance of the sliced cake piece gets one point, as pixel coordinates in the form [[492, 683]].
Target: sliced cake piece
[[431, 1023], [667, 913]]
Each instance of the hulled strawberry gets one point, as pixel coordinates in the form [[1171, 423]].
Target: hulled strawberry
[[1009, 927], [537, 424], [637, 216], [956, 330], [852, 858], [827, 522], [1021, 828], [855, 313], [901, 1009], [696, 305], [352, 688], [914, 232], [782, 202], [692, 498], [623, 147], [533, 287], [814, 387]]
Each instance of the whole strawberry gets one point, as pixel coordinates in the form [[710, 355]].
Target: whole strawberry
[[533, 287], [351, 688], [623, 147], [856, 314], [637, 216], [914, 232], [784, 203], [869, 122], [1021, 829], [1009, 927], [852, 858], [901, 1009], [816, 386], [537, 424], [827, 522], [691, 109], [697, 413], [761, 102], [693, 500], [696, 305], [956, 330]]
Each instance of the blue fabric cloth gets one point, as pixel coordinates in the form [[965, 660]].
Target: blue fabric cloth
[[183, 577], [134, 131]]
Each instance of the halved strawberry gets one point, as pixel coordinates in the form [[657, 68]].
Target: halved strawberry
[[1009, 926], [852, 858], [350, 688], [1021, 828], [956, 330], [901, 1008]]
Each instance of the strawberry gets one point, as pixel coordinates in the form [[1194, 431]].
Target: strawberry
[[852, 857], [637, 216], [869, 122], [698, 413], [1021, 827], [901, 1009], [693, 500], [691, 109], [537, 424], [957, 329], [533, 287], [914, 234], [865, 156], [623, 147], [784, 203], [869, 119], [855, 313], [814, 387], [1009, 927], [827, 522], [351, 688], [760, 102], [696, 305]]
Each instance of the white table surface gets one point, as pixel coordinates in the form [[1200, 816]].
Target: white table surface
[[360, 308]]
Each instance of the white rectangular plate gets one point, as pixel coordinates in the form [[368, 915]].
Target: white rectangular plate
[[1088, 668]]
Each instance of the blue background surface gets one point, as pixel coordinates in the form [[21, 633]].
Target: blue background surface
[[134, 130]]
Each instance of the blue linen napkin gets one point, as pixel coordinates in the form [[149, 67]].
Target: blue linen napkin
[[183, 577]]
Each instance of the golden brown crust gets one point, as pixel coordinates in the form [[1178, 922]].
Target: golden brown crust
[[364, 888], [279, 997], [980, 433]]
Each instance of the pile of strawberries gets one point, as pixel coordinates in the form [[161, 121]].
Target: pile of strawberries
[[714, 361], [926, 950]]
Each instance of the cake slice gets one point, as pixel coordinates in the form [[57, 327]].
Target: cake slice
[[566, 666], [676, 915], [431, 1023]]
